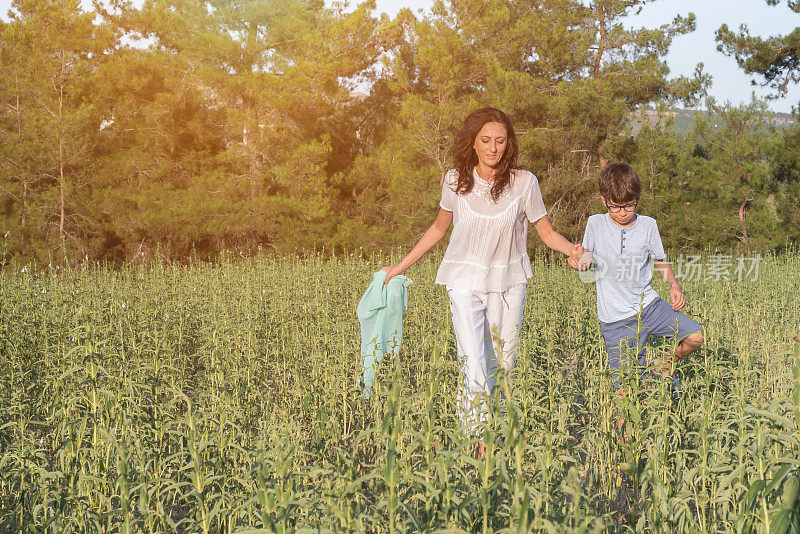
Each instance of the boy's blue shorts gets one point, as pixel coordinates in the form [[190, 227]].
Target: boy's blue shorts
[[657, 319]]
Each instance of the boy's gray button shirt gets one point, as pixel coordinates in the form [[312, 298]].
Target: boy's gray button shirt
[[622, 264]]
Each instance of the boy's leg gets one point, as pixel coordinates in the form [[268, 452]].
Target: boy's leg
[[622, 339], [665, 364], [689, 344], [664, 321]]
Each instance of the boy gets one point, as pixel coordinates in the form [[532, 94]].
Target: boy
[[621, 244]]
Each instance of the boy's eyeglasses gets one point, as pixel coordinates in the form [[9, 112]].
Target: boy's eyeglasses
[[614, 208]]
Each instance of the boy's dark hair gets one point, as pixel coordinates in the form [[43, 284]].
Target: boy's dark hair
[[618, 182]]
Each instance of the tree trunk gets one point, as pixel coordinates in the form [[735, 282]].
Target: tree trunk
[[743, 217], [61, 160], [22, 177], [601, 43]]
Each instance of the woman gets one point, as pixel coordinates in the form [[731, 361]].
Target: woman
[[489, 201]]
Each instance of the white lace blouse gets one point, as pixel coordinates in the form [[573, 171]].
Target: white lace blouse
[[488, 245]]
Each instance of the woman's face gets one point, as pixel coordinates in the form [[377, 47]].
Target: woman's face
[[490, 143]]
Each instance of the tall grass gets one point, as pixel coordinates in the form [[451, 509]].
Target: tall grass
[[221, 397]]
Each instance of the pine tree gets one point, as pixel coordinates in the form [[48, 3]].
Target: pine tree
[[776, 59], [243, 104], [567, 72], [51, 52]]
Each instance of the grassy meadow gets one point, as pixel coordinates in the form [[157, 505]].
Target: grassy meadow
[[224, 397]]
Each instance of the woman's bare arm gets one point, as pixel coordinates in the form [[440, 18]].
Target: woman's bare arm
[[558, 242], [432, 235]]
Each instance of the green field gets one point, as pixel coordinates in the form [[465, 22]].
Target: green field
[[223, 397]]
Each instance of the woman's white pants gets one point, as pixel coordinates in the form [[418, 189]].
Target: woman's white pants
[[487, 333]]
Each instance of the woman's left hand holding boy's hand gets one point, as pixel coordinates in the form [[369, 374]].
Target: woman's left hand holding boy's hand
[[574, 257], [677, 297]]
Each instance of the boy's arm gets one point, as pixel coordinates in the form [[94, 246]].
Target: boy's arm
[[676, 296]]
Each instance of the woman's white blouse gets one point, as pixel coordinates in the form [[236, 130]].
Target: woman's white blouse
[[488, 246]]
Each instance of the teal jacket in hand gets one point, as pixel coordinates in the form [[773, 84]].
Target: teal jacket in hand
[[380, 312]]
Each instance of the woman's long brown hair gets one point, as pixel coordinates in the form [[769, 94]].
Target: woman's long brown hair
[[466, 159]]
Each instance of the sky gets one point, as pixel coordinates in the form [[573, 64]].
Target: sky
[[729, 83]]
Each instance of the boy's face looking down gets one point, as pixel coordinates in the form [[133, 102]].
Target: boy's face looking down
[[620, 188], [623, 213]]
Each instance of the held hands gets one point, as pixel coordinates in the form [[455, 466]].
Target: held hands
[[677, 297], [574, 259], [577, 259], [392, 271]]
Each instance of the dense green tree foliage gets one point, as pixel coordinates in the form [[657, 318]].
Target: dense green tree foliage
[[568, 73], [51, 54], [776, 58], [192, 127], [715, 187], [239, 114]]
